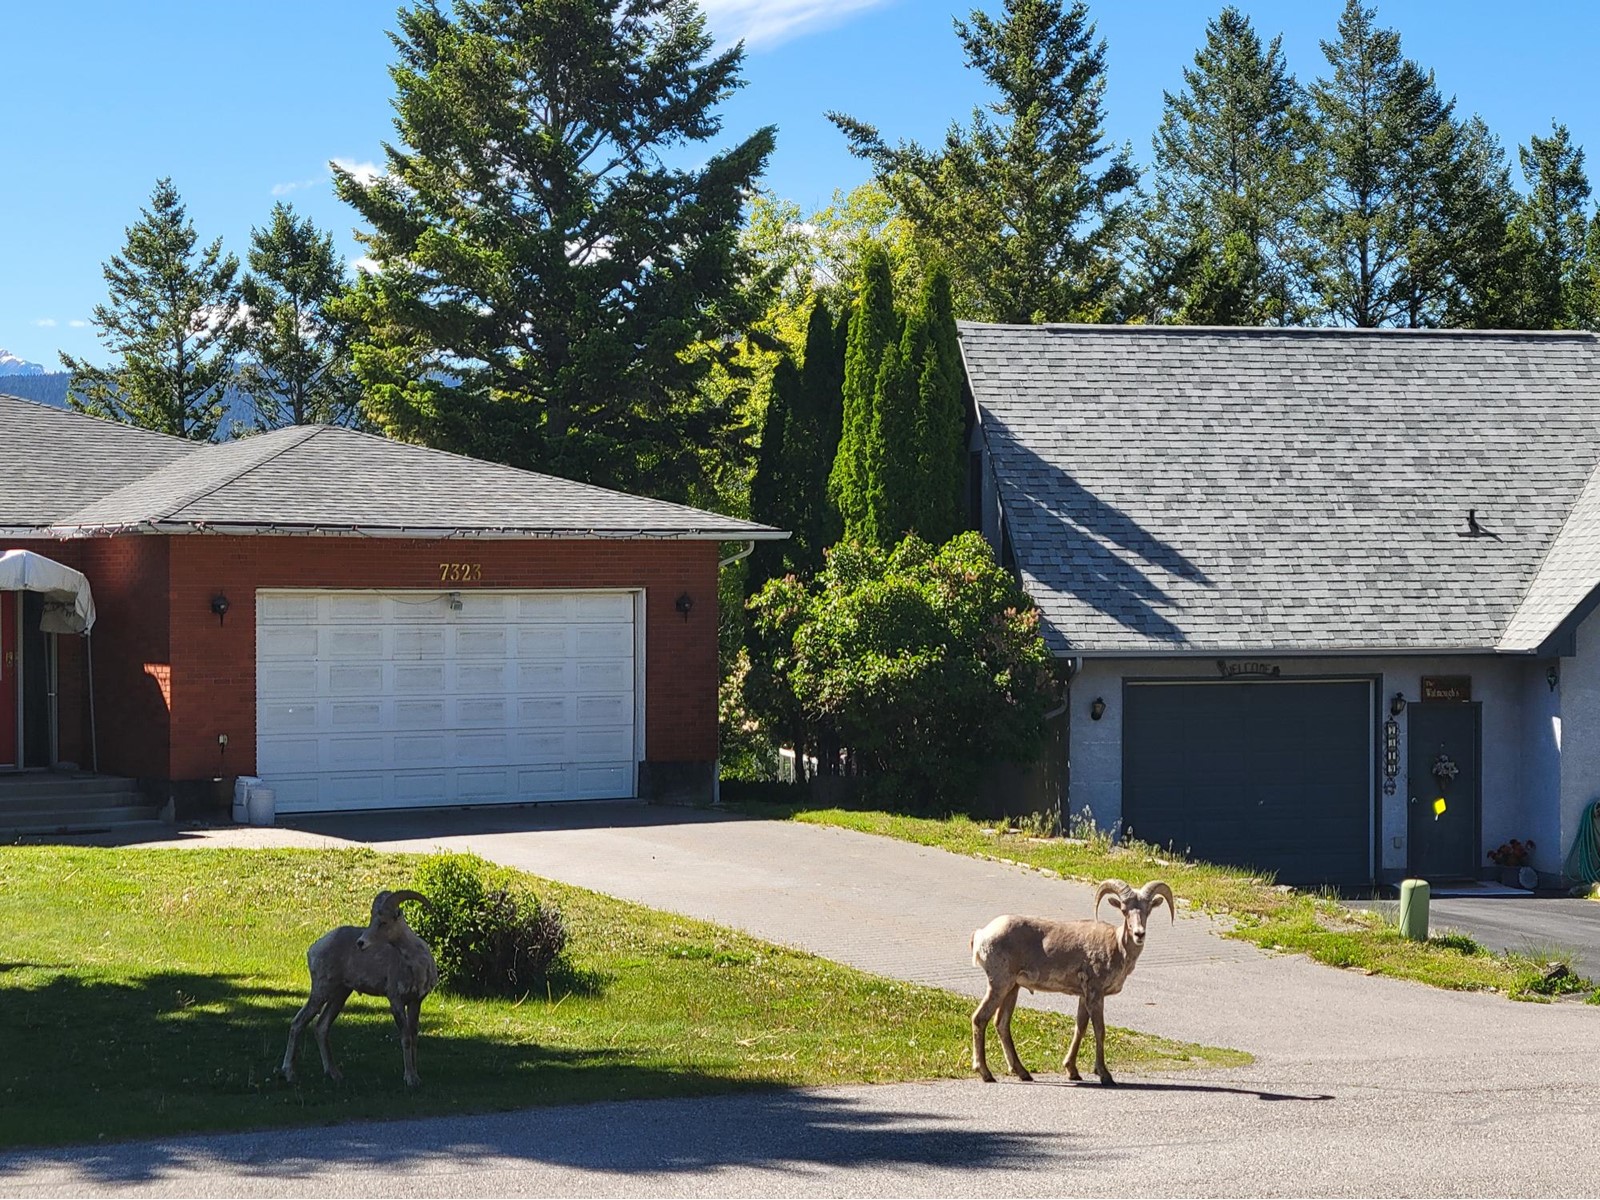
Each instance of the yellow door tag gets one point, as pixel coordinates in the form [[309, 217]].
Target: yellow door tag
[[1438, 807]]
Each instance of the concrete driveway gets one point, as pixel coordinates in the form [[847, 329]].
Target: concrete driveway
[[1361, 1085]]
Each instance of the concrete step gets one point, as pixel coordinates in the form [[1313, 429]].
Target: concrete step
[[147, 829], [55, 783], [76, 813], [99, 793]]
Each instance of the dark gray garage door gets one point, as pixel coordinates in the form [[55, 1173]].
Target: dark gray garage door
[[1271, 775]]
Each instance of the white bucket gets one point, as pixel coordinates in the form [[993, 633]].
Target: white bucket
[[241, 797], [262, 805]]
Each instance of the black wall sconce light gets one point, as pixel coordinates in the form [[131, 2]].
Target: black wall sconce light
[[1398, 704], [1552, 676], [685, 605], [1097, 709], [220, 606]]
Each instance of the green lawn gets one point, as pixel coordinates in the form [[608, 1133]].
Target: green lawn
[[1274, 917], [148, 992]]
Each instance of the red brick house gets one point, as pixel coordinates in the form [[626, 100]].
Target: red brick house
[[362, 623]]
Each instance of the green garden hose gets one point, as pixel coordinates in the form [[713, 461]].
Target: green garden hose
[[1583, 860]]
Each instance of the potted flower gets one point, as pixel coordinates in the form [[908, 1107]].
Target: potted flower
[[1513, 859]]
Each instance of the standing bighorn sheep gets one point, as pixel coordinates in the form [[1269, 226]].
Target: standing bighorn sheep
[[386, 958], [1087, 959]]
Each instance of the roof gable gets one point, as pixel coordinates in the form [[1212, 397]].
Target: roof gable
[[1173, 489]]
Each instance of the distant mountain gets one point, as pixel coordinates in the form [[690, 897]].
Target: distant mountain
[[51, 388], [10, 364]]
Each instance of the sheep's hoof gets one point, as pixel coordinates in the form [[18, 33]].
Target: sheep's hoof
[[413, 1081], [1022, 1074], [335, 1075], [1072, 1073], [1106, 1080], [287, 1073], [985, 1074]]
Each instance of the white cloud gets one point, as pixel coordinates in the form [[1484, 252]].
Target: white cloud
[[46, 322], [768, 22], [364, 172], [284, 189], [75, 323], [368, 266]]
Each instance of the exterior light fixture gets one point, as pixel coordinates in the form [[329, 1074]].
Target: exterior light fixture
[[454, 600], [1552, 676], [220, 606], [1097, 709], [1398, 704], [685, 605]]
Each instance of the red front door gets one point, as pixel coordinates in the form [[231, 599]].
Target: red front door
[[9, 671]]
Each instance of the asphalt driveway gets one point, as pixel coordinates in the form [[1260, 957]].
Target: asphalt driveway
[[1362, 1085], [1538, 925]]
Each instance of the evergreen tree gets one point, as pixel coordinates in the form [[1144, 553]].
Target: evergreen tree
[[894, 459], [1554, 220], [933, 350], [1231, 179], [1019, 206], [1487, 263], [299, 370], [1382, 133], [811, 443], [772, 489], [171, 322], [873, 327], [550, 289]]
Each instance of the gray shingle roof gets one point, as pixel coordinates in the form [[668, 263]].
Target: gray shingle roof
[[1180, 489], [330, 480], [56, 461]]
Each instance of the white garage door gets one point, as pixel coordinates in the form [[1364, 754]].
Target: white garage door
[[392, 700]]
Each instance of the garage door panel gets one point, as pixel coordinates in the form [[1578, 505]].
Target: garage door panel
[[369, 701], [279, 642], [1271, 775]]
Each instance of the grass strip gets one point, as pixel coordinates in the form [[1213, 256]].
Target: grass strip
[[1272, 916]]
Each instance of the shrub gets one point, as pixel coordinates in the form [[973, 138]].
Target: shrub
[[922, 663], [489, 933]]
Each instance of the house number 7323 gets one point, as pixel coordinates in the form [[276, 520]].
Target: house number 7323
[[450, 572]]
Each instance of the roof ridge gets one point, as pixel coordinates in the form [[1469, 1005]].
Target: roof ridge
[[1125, 328], [304, 434]]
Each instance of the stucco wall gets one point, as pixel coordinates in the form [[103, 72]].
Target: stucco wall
[[1579, 695], [1512, 799]]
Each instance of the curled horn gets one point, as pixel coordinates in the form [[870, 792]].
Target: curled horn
[[395, 898], [1110, 887], [1156, 888]]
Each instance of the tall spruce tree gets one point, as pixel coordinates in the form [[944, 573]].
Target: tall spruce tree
[[873, 327], [299, 352], [549, 284], [1382, 133], [171, 322], [1554, 218], [1230, 182], [1021, 207]]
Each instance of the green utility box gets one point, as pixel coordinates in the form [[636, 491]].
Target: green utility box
[[1414, 895]]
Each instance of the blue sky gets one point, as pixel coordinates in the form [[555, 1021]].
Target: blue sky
[[244, 102]]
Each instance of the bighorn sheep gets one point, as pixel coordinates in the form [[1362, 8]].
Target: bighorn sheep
[[1087, 959], [386, 958]]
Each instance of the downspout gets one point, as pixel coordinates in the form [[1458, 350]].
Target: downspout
[[749, 548]]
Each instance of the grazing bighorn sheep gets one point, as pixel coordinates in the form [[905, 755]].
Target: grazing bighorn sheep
[[1087, 959], [386, 958]]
